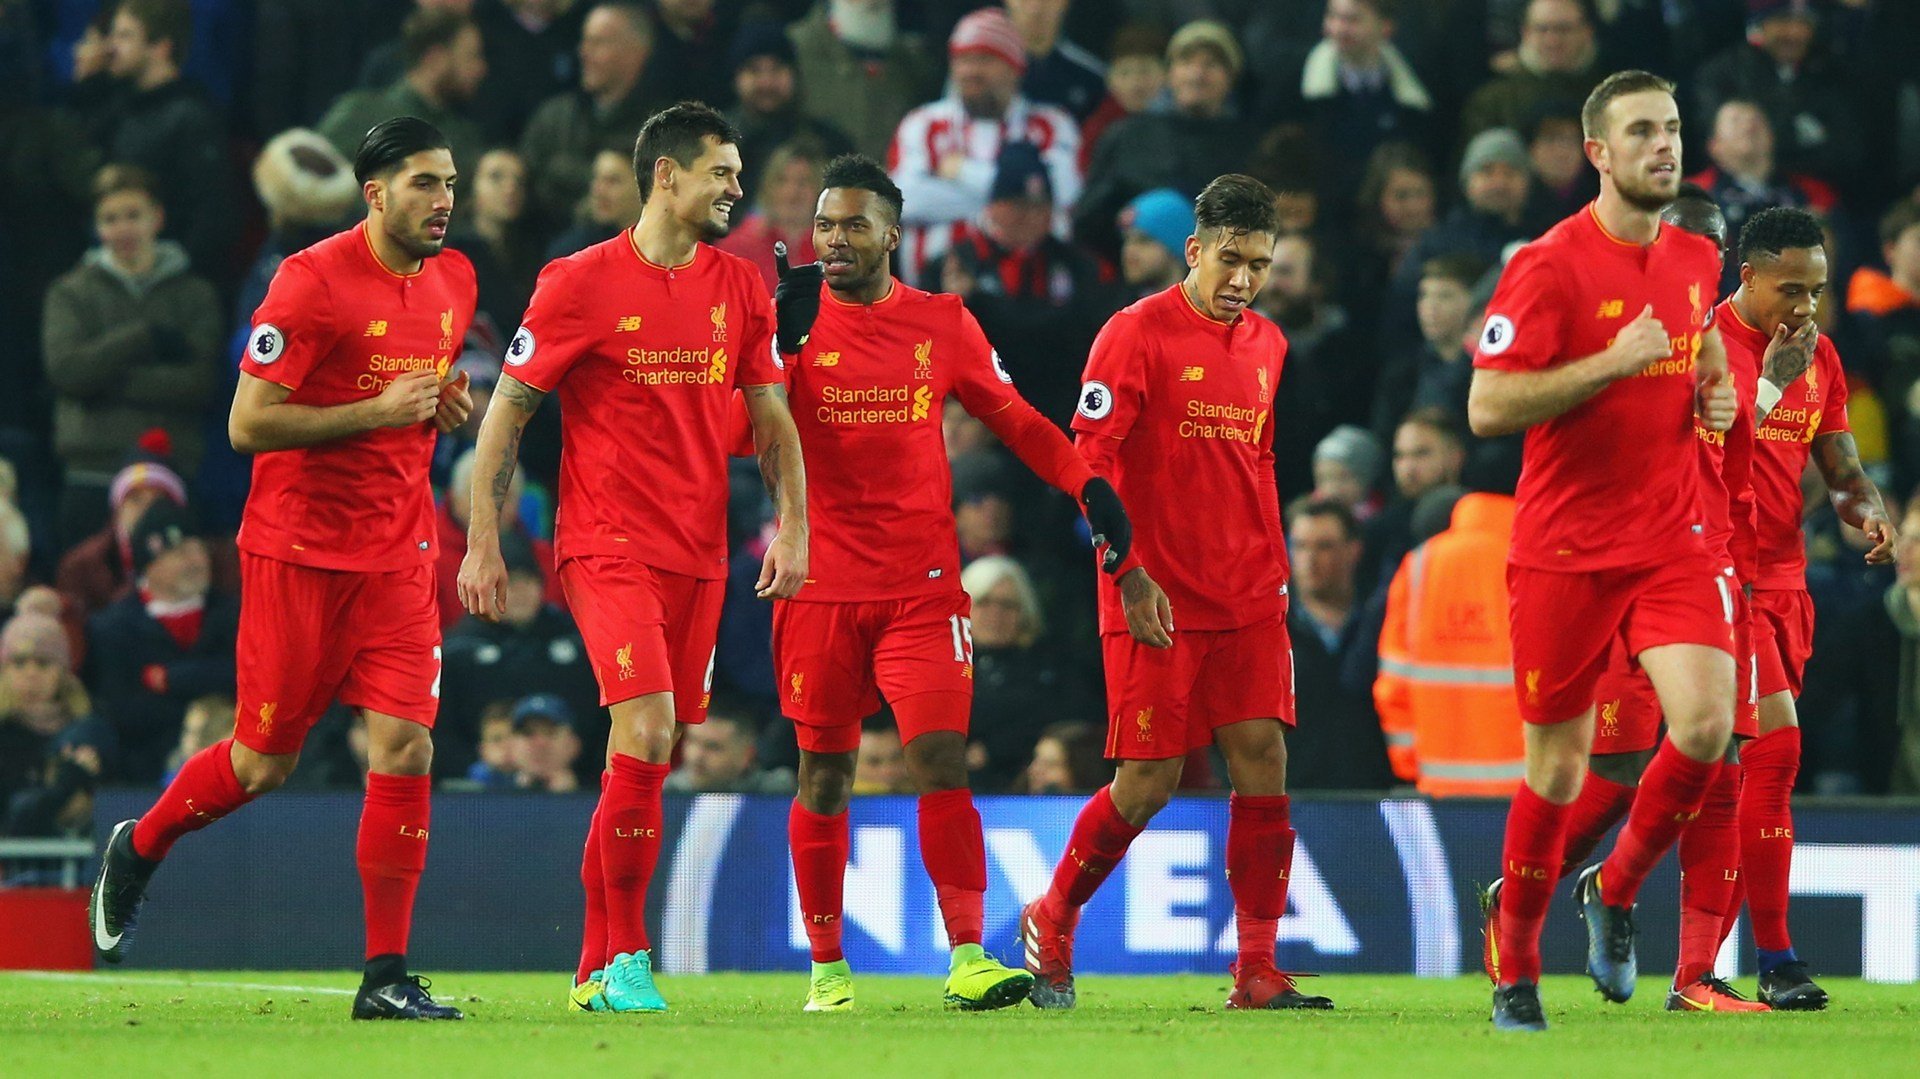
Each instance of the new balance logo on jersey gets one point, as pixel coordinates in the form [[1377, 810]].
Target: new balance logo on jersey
[[376, 328], [626, 324], [1611, 309], [827, 359], [1192, 374]]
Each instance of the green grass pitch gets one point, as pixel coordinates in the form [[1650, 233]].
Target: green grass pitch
[[269, 1025]]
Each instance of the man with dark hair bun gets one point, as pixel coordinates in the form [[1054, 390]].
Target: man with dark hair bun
[[342, 387], [1177, 412]]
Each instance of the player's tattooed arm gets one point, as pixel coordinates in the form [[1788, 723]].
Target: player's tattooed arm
[[1855, 498], [1788, 355], [784, 569], [483, 573]]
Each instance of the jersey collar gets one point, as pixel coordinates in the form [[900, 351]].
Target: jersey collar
[[653, 267], [893, 293]]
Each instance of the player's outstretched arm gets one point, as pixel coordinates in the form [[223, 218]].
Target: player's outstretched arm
[[483, 572], [785, 567], [1855, 498], [1507, 402], [262, 419]]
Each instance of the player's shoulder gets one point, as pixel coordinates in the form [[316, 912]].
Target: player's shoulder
[[324, 256], [453, 262]]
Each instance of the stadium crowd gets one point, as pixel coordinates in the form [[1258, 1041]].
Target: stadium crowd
[[158, 158]]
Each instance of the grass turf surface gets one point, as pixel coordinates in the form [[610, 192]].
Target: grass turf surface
[[254, 1024]]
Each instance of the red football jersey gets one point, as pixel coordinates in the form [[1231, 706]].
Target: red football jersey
[[645, 359], [867, 393], [1613, 481], [1726, 462], [336, 327], [1812, 405], [1176, 411]]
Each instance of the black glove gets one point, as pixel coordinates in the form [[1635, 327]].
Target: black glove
[[1107, 518], [796, 300]]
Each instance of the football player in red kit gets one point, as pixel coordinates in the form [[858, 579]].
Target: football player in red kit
[[870, 363], [341, 388], [1177, 411], [1599, 343], [1803, 415], [645, 338]]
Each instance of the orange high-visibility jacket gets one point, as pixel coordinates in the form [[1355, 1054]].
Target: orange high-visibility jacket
[[1445, 689]]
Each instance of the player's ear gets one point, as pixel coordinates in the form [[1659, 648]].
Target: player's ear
[[1746, 275], [892, 241], [663, 173], [374, 191], [1596, 153], [1193, 251]]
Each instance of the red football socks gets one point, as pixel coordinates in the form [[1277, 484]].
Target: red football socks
[[1709, 868], [391, 853], [593, 933], [1529, 867], [1670, 796], [1772, 761], [819, 846], [204, 791], [630, 836], [955, 854], [1099, 840], [1601, 804], [1259, 858]]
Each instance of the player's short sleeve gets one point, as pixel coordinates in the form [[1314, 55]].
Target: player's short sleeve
[[1526, 320], [980, 380], [1114, 386], [760, 362], [293, 328], [552, 336], [1833, 420]]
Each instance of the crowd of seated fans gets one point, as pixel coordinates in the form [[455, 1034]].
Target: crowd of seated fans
[[162, 156]]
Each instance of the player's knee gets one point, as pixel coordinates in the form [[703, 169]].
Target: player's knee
[[825, 785], [938, 762], [1705, 738], [259, 773], [1556, 777], [1142, 789]]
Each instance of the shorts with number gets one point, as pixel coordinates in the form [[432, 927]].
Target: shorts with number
[[837, 660], [1782, 638], [309, 637], [1166, 702], [646, 630], [1627, 714], [1564, 624]]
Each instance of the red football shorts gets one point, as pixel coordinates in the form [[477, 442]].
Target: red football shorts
[[1564, 624], [646, 630], [1782, 638], [837, 660], [1627, 716], [1166, 702], [309, 637]]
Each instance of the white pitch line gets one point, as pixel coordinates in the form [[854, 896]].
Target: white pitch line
[[112, 979]]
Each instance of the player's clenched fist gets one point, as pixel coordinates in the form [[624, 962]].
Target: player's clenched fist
[[455, 405], [1641, 342], [412, 398], [483, 581]]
